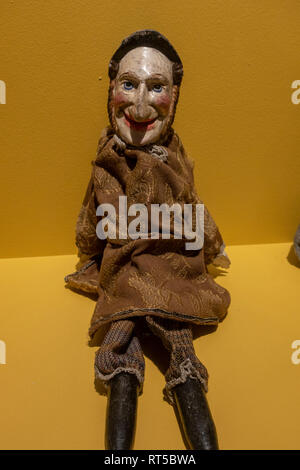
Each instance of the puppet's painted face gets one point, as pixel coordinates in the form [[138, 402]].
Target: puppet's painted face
[[142, 96]]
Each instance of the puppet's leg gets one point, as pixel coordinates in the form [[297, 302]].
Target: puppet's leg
[[119, 365], [186, 382]]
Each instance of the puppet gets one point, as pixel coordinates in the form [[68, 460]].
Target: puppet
[[138, 273]]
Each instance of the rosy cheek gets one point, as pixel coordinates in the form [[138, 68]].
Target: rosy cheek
[[120, 99], [162, 101]]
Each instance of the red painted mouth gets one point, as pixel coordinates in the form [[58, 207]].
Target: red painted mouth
[[139, 126]]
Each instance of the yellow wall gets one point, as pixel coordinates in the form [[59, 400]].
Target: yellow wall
[[235, 114]]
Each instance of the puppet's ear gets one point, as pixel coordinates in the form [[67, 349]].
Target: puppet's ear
[[172, 110], [177, 73]]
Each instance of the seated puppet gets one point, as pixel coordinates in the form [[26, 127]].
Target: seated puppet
[[147, 275]]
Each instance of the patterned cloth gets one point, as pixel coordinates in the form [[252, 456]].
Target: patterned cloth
[[146, 276], [121, 352], [156, 281]]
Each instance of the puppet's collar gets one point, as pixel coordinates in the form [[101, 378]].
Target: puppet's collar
[[157, 151]]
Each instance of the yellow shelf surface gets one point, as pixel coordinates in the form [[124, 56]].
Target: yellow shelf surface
[[48, 399]]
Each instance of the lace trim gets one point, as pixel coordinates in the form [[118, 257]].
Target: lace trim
[[186, 370], [81, 270], [104, 378]]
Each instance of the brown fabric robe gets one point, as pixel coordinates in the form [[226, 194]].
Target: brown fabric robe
[[146, 276]]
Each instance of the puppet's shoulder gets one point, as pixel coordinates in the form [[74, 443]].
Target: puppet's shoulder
[[187, 162], [105, 136]]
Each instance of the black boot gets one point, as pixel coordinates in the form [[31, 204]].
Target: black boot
[[121, 412], [195, 415]]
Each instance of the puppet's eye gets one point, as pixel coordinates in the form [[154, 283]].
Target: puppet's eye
[[128, 85], [157, 88]]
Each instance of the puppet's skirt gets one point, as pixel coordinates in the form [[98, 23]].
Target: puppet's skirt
[[121, 351]]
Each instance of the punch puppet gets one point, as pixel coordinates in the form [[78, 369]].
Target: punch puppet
[[142, 266]]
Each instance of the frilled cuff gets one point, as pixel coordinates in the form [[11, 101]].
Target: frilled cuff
[[222, 260], [186, 369]]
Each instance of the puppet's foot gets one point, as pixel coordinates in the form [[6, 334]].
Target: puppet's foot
[[195, 415], [121, 411]]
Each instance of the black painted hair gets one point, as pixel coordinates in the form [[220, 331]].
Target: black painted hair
[[150, 38]]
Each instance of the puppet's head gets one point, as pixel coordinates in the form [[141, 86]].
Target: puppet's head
[[145, 75]]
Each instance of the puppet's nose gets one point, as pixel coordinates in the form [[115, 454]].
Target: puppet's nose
[[142, 110]]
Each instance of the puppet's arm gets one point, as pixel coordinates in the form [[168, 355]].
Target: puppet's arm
[[222, 260], [214, 247], [90, 247], [87, 242]]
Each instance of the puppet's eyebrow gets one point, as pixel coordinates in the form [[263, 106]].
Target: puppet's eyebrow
[[157, 76], [132, 76], [129, 75]]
